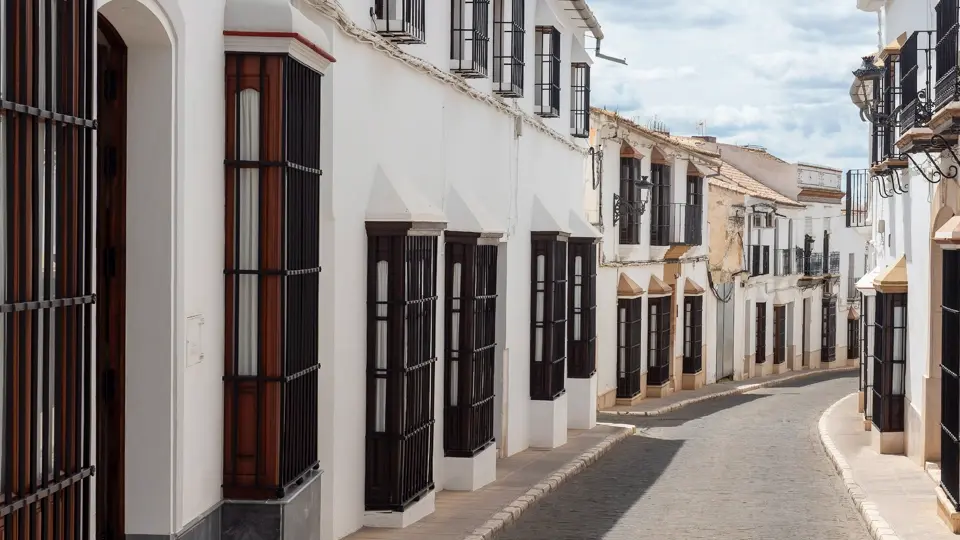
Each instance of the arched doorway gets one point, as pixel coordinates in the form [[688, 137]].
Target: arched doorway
[[111, 276]]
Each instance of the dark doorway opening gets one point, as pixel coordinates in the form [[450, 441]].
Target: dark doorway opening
[[111, 218]]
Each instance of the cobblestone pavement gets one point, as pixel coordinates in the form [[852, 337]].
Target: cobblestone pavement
[[745, 467]]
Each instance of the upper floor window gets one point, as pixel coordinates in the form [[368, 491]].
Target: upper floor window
[[630, 194], [948, 36], [661, 223], [469, 37], [580, 100], [508, 34], [857, 198], [402, 21], [547, 72]]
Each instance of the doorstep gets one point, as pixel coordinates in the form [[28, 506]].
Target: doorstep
[[895, 491], [459, 513]]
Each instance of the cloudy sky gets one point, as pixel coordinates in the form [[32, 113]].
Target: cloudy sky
[[775, 73]]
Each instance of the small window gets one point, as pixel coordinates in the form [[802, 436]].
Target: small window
[[508, 52], [580, 100], [401, 21], [547, 70], [469, 37]]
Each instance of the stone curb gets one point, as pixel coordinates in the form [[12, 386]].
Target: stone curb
[[879, 528], [743, 388], [512, 511]]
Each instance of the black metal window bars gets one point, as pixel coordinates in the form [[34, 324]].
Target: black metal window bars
[[948, 43], [401, 21], [582, 335], [629, 348], [779, 334], [46, 269], [580, 99], [661, 211], [760, 351], [272, 274], [858, 198], [886, 93], [828, 330], [508, 51], [469, 37], [950, 378], [889, 361], [470, 314], [853, 339], [692, 334], [631, 195], [658, 348], [834, 263], [401, 362], [916, 96], [547, 72], [548, 315]]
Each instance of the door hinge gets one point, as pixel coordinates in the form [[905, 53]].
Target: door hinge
[[109, 386]]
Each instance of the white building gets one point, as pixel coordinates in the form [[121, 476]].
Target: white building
[[164, 315], [906, 91], [647, 193]]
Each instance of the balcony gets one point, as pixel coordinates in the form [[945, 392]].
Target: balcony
[[884, 155], [676, 224], [783, 262], [916, 91], [946, 115], [833, 266], [401, 21], [811, 264], [858, 198]]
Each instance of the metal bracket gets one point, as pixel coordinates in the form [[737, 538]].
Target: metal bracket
[[622, 207]]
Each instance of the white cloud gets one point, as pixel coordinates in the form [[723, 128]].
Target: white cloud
[[769, 72]]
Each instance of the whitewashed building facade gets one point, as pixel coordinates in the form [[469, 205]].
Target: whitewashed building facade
[[647, 192], [309, 252], [906, 91]]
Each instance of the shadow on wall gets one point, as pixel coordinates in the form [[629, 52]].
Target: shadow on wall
[[614, 484]]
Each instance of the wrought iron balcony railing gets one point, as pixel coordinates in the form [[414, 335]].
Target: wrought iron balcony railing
[[858, 198], [947, 46], [916, 77], [887, 97], [811, 264], [676, 224], [834, 263], [401, 21]]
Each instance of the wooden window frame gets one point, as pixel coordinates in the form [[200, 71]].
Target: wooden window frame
[[890, 359], [629, 347], [582, 304], [470, 315], [760, 347], [547, 73], [692, 334], [270, 413], [950, 378], [580, 100], [828, 330], [548, 315], [779, 334], [402, 267], [630, 193], [659, 340]]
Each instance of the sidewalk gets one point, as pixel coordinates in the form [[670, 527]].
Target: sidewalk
[[459, 514], [894, 489], [657, 406]]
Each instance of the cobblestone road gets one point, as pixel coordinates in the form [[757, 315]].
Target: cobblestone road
[[748, 467]]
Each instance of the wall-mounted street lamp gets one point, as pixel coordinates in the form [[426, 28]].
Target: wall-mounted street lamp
[[864, 93], [622, 207]]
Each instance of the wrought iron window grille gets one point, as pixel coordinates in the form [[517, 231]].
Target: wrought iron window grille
[[692, 334], [548, 315], [582, 334], [858, 198], [629, 348], [950, 378], [658, 346], [760, 351], [779, 334], [401, 361], [469, 37], [400, 21], [580, 100], [889, 361], [508, 49], [47, 274], [547, 72], [470, 314], [947, 87], [631, 203], [828, 330], [272, 282]]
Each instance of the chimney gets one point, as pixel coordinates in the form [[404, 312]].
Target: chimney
[[706, 138]]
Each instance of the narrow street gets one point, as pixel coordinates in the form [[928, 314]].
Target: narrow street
[[747, 467]]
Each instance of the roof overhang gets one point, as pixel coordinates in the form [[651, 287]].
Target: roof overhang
[[865, 284], [892, 279], [692, 288], [658, 288], [627, 289]]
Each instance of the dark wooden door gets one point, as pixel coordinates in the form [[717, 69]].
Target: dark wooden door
[[111, 279]]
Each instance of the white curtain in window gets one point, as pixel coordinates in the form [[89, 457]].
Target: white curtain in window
[[899, 328], [248, 190], [652, 356], [380, 412], [455, 307], [541, 286], [622, 345], [577, 295]]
